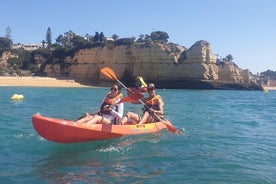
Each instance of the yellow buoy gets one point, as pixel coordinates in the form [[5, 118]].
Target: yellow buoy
[[17, 97]]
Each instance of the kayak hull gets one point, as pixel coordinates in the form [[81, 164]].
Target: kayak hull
[[66, 131]]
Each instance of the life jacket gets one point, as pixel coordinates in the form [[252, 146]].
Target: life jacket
[[153, 102], [108, 100]]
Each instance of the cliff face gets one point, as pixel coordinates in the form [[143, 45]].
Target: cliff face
[[5, 56], [168, 65]]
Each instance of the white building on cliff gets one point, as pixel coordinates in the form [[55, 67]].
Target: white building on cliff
[[28, 46]]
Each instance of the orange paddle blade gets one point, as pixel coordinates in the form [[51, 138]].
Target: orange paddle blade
[[132, 97], [171, 128], [107, 71]]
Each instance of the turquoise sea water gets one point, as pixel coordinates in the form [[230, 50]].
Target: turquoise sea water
[[230, 137]]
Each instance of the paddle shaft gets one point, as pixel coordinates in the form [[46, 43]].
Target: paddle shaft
[[122, 84]]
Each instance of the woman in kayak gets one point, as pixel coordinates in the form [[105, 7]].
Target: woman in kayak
[[110, 111], [153, 110]]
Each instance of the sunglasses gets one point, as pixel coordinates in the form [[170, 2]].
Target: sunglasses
[[113, 89], [150, 89]]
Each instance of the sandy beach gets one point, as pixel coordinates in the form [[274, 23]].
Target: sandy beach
[[269, 88], [39, 82]]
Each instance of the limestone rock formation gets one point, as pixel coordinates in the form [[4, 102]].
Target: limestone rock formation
[[5, 56], [168, 65], [201, 52]]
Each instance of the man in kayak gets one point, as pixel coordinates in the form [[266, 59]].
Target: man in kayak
[[110, 111], [153, 110]]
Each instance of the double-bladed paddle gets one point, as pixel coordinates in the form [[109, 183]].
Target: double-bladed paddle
[[107, 71]]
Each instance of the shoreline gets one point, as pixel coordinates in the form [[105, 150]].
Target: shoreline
[[269, 88], [40, 82], [35, 81]]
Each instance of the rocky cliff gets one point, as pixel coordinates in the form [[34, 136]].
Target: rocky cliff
[[4, 57], [167, 65]]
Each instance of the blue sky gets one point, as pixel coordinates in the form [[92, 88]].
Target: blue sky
[[246, 29]]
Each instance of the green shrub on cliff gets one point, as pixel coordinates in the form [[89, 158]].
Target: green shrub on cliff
[[269, 73], [159, 36], [5, 45]]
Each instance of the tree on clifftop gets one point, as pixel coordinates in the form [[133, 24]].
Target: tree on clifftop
[[5, 45], [159, 36], [61, 40], [80, 42], [115, 37], [8, 33], [269, 73], [98, 37], [49, 37], [229, 57]]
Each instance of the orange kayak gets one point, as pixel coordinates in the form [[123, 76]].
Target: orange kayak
[[66, 131]]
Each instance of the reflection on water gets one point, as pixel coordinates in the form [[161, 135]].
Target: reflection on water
[[102, 161]]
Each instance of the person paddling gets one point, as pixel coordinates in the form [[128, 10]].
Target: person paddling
[[154, 107], [110, 112]]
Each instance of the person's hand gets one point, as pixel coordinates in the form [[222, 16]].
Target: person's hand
[[129, 92], [107, 108], [151, 110]]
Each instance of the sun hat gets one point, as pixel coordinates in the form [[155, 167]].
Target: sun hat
[[151, 86]]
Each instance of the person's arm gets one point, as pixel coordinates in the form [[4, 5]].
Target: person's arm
[[94, 113], [160, 112], [120, 112]]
